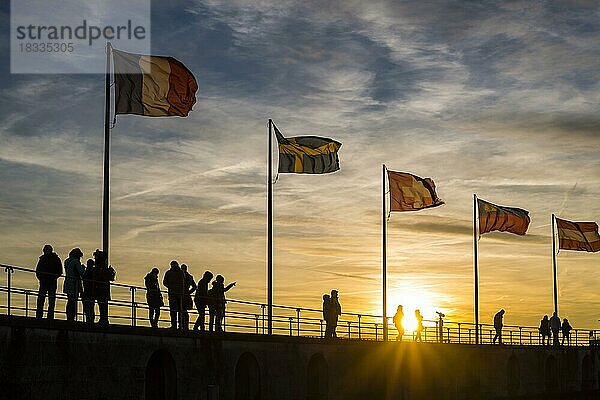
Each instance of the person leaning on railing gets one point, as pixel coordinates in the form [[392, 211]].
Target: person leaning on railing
[[47, 271], [104, 274]]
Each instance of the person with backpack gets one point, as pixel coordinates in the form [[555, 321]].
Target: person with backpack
[[48, 270]]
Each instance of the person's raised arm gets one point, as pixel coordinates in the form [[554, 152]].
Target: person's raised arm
[[232, 284]]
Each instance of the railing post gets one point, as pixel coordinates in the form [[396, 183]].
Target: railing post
[[262, 306], [510, 334], [459, 332], [376, 337], [425, 329], [448, 334], [321, 323], [27, 303], [576, 334], [298, 321], [437, 333], [9, 272], [348, 329], [359, 335], [490, 336], [470, 335], [520, 333], [256, 323], [530, 338], [291, 319], [133, 313]]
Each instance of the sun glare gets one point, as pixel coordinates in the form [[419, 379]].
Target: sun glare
[[412, 301]]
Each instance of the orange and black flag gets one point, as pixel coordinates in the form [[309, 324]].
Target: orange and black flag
[[307, 154], [578, 236], [152, 86], [500, 218], [409, 192]]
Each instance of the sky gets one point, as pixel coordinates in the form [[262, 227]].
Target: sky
[[501, 99]]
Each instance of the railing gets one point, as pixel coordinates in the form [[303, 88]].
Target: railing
[[129, 307]]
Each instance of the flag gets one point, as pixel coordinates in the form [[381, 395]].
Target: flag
[[307, 154], [152, 86], [409, 192], [579, 236], [500, 218]]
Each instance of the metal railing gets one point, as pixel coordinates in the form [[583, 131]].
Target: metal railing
[[128, 307]]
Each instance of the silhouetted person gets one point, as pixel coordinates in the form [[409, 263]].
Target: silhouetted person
[[566, 331], [189, 288], [174, 281], [335, 311], [213, 304], [498, 324], [89, 289], [104, 274], [420, 328], [440, 326], [154, 297], [555, 327], [327, 315], [398, 322], [219, 290], [545, 330], [73, 286], [47, 271], [201, 299]]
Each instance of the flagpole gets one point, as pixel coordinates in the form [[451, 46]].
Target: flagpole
[[475, 268], [384, 254], [553, 221], [270, 232], [106, 174]]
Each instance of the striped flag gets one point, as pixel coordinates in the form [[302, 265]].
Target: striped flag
[[307, 154], [409, 192], [578, 236], [500, 218], [152, 86]]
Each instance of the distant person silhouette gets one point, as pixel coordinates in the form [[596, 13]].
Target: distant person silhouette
[[545, 330], [498, 324], [420, 328], [154, 297], [327, 315], [440, 326], [89, 289], [566, 331], [201, 299], [174, 281], [104, 274], [73, 285], [189, 288], [398, 317], [335, 312], [48, 270], [555, 328], [219, 290]]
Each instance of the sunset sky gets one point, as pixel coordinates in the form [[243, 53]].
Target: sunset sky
[[493, 98]]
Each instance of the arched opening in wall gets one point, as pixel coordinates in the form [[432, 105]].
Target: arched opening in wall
[[513, 375], [247, 378], [550, 374], [587, 373], [317, 378], [161, 377]]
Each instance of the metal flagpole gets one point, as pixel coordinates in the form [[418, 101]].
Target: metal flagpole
[[106, 175], [553, 221], [475, 268], [384, 254], [270, 232]]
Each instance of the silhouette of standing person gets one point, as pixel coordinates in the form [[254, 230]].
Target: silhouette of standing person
[[73, 286], [174, 281], [48, 270], [335, 311], [327, 315], [89, 288], [398, 322], [545, 330], [498, 324], [104, 274], [566, 331], [219, 290], [420, 328], [555, 327], [154, 297], [189, 288], [201, 299]]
